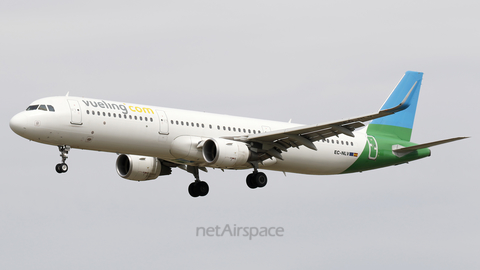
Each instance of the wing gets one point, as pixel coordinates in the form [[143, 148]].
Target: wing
[[271, 144]]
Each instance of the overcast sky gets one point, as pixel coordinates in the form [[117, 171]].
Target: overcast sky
[[310, 61]]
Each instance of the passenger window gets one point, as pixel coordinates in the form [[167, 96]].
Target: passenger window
[[130, 117], [109, 115], [218, 127], [224, 128], [32, 107], [229, 129], [104, 114], [249, 131], [186, 123], [114, 115], [254, 132], [141, 118], [151, 119], [135, 117], [198, 125], [203, 126], [176, 122], [171, 121], [50, 108], [88, 112]]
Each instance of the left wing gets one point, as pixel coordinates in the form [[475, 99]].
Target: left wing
[[271, 144]]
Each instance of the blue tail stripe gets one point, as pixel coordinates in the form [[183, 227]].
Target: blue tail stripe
[[406, 117]]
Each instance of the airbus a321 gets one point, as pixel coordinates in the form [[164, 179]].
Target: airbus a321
[[152, 140]]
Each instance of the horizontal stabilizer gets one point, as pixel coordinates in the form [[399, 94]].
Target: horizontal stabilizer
[[425, 145]]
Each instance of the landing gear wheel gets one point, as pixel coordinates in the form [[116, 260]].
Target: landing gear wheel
[[260, 179], [198, 188], [192, 190], [61, 168], [202, 188], [251, 181]]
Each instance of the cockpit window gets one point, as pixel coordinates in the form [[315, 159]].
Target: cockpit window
[[41, 107], [32, 107]]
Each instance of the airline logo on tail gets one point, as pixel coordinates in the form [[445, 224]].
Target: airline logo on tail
[[372, 148]]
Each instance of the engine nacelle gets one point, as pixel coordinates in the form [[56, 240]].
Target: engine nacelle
[[224, 153], [140, 168]]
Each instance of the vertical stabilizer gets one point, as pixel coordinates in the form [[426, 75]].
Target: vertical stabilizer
[[400, 124]]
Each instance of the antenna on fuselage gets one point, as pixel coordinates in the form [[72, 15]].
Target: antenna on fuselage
[[67, 93]]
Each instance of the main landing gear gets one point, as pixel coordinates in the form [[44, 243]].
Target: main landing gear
[[63, 167], [256, 179], [197, 188], [200, 188]]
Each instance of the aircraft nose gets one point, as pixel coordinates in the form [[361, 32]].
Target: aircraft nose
[[18, 123]]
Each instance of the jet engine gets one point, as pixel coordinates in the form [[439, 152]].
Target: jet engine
[[224, 153], [140, 168]]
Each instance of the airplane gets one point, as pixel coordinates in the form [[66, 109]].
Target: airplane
[[150, 140]]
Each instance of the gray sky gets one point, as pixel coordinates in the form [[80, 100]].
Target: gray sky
[[310, 61]]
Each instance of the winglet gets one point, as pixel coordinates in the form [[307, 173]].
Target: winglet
[[404, 104], [400, 108]]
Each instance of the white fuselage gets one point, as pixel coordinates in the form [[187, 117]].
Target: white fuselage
[[126, 128]]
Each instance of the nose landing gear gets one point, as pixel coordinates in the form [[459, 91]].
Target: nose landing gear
[[63, 167]]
